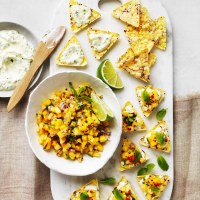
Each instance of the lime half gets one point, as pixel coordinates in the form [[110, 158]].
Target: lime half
[[108, 75], [102, 111]]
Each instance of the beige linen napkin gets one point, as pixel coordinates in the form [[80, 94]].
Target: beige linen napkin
[[23, 177]]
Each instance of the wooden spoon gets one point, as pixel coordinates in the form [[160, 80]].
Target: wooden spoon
[[44, 49]]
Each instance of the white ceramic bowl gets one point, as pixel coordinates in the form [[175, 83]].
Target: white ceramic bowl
[[89, 165], [31, 38]]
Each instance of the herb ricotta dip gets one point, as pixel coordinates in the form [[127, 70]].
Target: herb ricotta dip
[[81, 14], [100, 41], [16, 55]]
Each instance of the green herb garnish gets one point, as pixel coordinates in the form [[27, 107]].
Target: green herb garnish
[[74, 91], [145, 170], [86, 98], [84, 196], [117, 194], [161, 114], [160, 138], [162, 163], [129, 120], [146, 96], [154, 189], [108, 181], [138, 155]]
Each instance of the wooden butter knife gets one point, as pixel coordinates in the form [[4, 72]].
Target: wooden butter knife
[[45, 47]]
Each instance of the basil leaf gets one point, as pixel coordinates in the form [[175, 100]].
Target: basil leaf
[[160, 138], [108, 181], [154, 189], [142, 171], [145, 170], [162, 163], [84, 196], [117, 194], [150, 167], [161, 114], [138, 155], [146, 96]]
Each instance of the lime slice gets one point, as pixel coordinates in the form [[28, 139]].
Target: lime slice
[[102, 111], [108, 75]]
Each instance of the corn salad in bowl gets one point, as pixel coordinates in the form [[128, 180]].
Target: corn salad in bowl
[[73, 123], [68, 123]]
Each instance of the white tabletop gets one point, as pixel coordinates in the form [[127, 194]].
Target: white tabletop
[[185, 16]]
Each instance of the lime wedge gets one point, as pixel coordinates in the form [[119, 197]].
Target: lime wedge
[[102, 111], [108, 75]]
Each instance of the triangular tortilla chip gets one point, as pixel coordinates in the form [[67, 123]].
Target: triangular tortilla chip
[[72, 54], [81, 15], [101, 41], [157, 138], [152, 59], [145, 19], [131, 155], [136, 65], [149, 98], [91, 190], [128, 12], [131, 119], [161, 31], [124, 190], [153, 185], [140, 39]]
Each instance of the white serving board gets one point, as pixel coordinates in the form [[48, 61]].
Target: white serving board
[[161, 76]]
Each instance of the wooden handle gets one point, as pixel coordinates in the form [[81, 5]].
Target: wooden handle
[[40, 56]]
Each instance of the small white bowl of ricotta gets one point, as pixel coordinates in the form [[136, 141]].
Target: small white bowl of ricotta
[[17, 48]]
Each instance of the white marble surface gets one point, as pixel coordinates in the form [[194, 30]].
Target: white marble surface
[[185, 16]]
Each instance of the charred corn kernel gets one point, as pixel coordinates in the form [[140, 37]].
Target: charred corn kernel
[[96, 154], [57, 147], [55, 110], [72, 155], [84, 138], [99, 147], [103, 138], [46, 103], [83, 144]]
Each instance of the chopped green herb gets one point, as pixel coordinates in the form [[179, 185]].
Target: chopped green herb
[[161, 114], [86, 98], [84, 196], [154, 189], [74, 91], [108, 181], [117, 194], [138, 155], [145, 170], [160, 138], [146, 96], [162, 163], [129, 120]]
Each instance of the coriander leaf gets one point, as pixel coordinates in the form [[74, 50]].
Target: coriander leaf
[[146, 96], [84, 196], [86, 98], [154, 189], [160, 138], [108, 181], [142, 171], [162, 163], [138, 155], [161, 114], [150, 167], [129, 120], [74, 91], [117, 194]]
